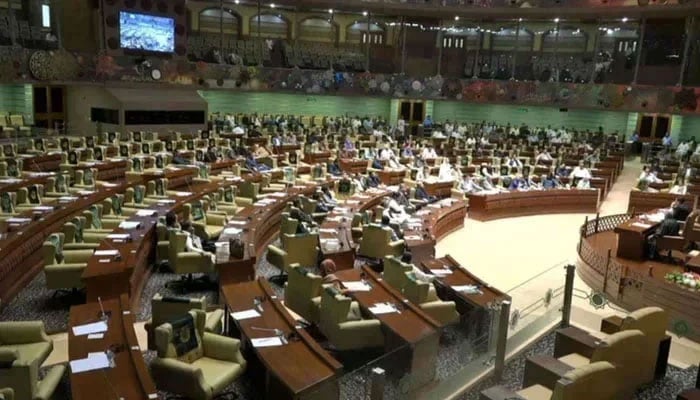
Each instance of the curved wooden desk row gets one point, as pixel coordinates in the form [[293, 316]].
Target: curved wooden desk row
[[533, 202], [641, 202], [129, 378], [432, 223], [632, 284]]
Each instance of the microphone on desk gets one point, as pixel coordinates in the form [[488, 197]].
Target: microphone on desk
[[103, 315]]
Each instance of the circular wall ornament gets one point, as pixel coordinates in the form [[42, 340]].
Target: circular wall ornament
[[156, 74]]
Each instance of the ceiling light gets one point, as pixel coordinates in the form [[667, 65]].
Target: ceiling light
[[624, 19], [520, 20], [364, 13], [272, 5], [556, 19], [238, 1], [330, 11], [456, 17]]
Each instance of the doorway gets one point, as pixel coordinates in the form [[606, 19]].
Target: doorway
[[653, 127], [413, 112]]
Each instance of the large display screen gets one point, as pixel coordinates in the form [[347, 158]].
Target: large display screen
[[146, 32]]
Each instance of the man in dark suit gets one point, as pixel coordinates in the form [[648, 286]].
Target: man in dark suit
[[668, 227], [681, 209]]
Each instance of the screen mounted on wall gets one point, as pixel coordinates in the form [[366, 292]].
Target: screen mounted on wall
[[146, 32]]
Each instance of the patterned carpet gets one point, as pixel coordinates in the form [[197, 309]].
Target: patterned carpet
[[456, 347]]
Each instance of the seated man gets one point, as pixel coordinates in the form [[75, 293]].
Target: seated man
[[680, 209], [551, 182], [373, 180], [334, 168], [668, 227], [395, 230], [195, 244], [469, 186], [421, 194], [519, 183], [394, 211], [252, 164]]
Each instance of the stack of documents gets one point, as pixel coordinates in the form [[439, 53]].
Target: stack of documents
[[267, 341], [118, 236], [247, 314], [232, 231], [146, 213], [93, 362], [183, 194], [106, 253], [383, 308], [357, 286], [441, 272], [128, 225], [468, 289], [88, 329]]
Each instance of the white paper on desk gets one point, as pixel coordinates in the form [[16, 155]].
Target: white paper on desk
[[85, 192], [10, 180], [278, 194], [183, 194], [92, 362], [336, 218], [95, 336], [414, 220], [88, 329], [66, 199], [441, 272], [232, 231], [146, 213], [42, 208], [382, 308], [106, 252], [118, 236], [166, 201], [641, 225], [434, 205], [108, 184], [327, 230], [693, 253], [14, 220], [351, 202], [220, 244], [267, 342], [128, 225], [247, 314], [422, 212], [412, 237], [237, 222], [468, 289], [357, 286]]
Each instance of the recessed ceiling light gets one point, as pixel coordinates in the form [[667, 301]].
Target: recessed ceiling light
[[624, 19], [456, 17], [556, 19], [364, 13], [272, 5], [330, 11]]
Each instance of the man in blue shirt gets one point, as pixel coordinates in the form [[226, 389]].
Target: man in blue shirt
[[428, 123], [666, 141]]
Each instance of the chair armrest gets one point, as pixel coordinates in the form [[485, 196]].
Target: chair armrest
[[172, 370], [396, 243], [201, 261], [213, 323], [21, 332], [216, 219], [222, 348], [277, 257], [48, 385], [8, 356], [362, 325], [77, 256], [443, 311], [244, 201]]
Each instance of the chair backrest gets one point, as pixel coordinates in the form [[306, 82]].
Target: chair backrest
[[177, 240], [302, 249], [93, 216], [597, 381], [289, 225], [7, 205], [52, 249], [652, 321], [249, 190], [334, 309], [395, 272], [166, 308], [627, 351], [22, 378], [375, 240], [182, 338], [415, 291], [302, 286]]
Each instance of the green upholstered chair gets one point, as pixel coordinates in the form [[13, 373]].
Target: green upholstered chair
[[57, 186], [308, 206], [419, 293], [299, 249], [248, 193], [10, 168], [395, 272], [63, 268], [376, 242], [163, 245], [187, 263], [7, 394], [134, 198], [358, 220], [226, 201], [208, 226], [164, 309], [627, 350], [192, 362], [85, 179], [7, 204], [95, 223], [302, 294], [267, 186], [74, 239], [24, 347], [112, 207], [288, 226], [597, 381], [28, 197], [344, 328]]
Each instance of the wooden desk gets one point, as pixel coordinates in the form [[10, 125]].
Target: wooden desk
[[641, 202], [435, 221], [299, 369], [516, 203], [439, 189], [337, 226], [259, 225], [42, 163], [409, 327], [353, 165], [130, 378], [391, 177], [317, 157], [632, 239]]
